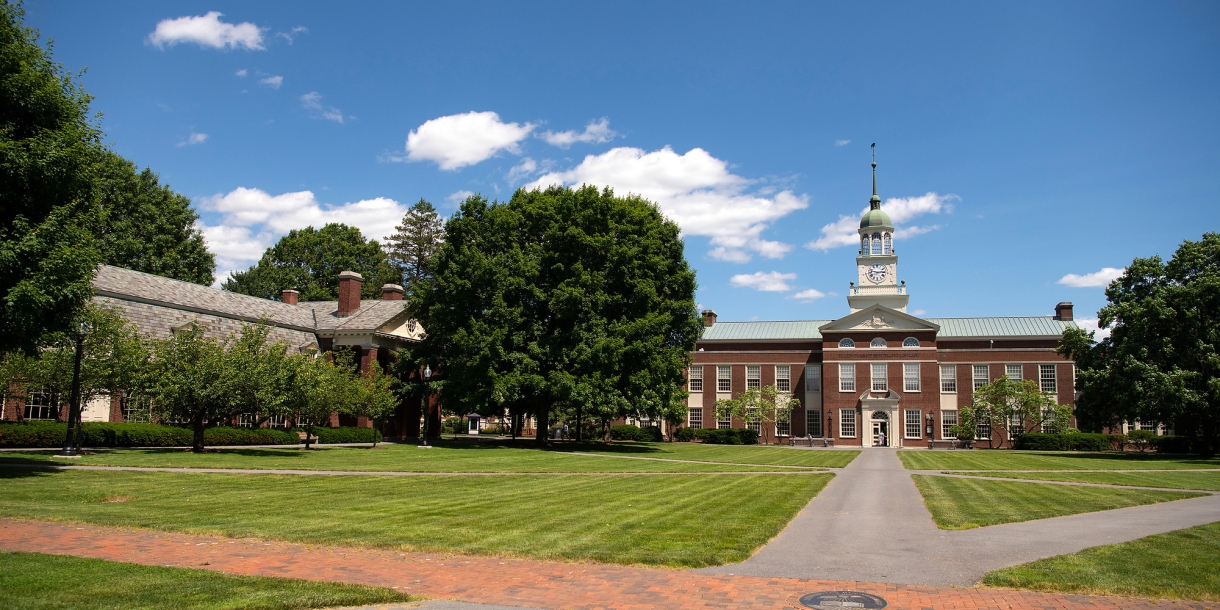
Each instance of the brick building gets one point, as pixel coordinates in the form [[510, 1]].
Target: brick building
[[877, 375]]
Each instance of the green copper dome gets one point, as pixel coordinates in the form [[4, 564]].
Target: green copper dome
[[875, 218]]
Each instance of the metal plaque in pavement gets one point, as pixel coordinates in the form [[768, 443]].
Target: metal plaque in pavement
[[838, 600]]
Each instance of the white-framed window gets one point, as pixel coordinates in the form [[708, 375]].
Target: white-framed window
[[877, 342], [886, 244], [880, 383], [724, 379], [41, 405], [982, 429], [1012, 372], [246, 420], [725, 423], [876, 243], [813, 422], [694, 417], [783, 428], [136, 409], [847, 423], [753, 377], [912, 421], [910, 342], [948, 379], [696, 378], [1016, 425], [1145, 425], [783, 378], [1046, 378], [847, 377], [864, 245], [980, 376], [910, 377], [753, 421], [948, 419], [1048, 421], [277, 421], [813, 378], [846, 343]]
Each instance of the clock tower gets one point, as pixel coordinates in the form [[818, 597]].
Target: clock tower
[[877, 264]]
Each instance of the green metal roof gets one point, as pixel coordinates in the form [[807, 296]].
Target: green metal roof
[[876, 218], [950, 328]]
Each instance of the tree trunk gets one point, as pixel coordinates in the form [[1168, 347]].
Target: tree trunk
[[543, 414], [197, 445], [579, 423]]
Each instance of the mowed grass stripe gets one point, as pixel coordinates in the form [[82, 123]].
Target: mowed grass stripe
[[958, 504], [1206, 481], [738, 454], [32, 580], [1025, 460], [649, 520]]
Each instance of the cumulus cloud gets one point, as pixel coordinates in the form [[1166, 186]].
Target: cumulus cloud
[[193, 139], [457, 197], [207, 31], [252, 220], [526, 168], [596, 132], [1094, 325], [272, 81], [1097, 279], [458, 140], [313, 101], [842, 142], [772, 281], [696, 190], [902, 210], [809, 296]]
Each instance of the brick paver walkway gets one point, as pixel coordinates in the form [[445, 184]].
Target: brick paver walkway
[[515, 582]]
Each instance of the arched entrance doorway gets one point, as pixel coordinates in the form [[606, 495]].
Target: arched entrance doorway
[[880, 423]]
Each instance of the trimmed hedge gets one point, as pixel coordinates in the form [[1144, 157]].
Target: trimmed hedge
[[629, 432], [685, 435], [727, 436], [105, 434], [1174, 444], [346, 434], [1038, 441]]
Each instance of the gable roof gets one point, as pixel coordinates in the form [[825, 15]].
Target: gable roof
[[1027, 327], [878, 317]]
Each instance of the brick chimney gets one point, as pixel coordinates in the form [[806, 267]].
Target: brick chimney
[[709, 317], [349, 292], [1063, 311], [290, 297], [391, 292]]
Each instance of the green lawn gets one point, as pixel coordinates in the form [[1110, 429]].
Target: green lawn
[[467, 457], [684, 520], [1025, 460], [1183, 564], [32, 581], [1209, 481], [959, 504]]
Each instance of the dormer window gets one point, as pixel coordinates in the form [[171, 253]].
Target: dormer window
[[876, 243], [910, 342], [846, 343], [887, 244], [878, 342], [864, 245]]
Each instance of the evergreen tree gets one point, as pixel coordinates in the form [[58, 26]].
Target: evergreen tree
[[415, 242]]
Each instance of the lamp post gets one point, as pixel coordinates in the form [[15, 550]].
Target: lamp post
[[69, 450], [931, 424], [827, 434], [427, 407]]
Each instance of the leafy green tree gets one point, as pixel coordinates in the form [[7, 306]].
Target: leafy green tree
[[766, 406], [415, 242], [186, 381], [1161, 362], [48, 147], [309, 261], [561, 296], [1009, 404], [148, 227]]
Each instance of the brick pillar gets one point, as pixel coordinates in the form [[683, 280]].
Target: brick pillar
[[14, 404], [366, 359], [116, 407]]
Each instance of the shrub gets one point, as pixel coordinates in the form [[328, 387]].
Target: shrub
[[1088, 441], [1174, 444], [346, 434], [1142, 439], [685, 435], [730, 436], [106, 434], [629, 432], [32, 434], [1117, 441], [248, 436], [1038, 441]]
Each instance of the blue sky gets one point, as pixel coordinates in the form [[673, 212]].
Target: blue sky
[[1017, 144]]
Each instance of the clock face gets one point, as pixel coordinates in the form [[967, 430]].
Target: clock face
[[877, 273]]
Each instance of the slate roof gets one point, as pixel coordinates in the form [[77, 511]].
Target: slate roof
[[950, 328], [370, 316]]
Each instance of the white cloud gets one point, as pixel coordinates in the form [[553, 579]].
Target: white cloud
[[809, 296], [290, 35], [457, 197], [696, 190], [193, 139], [772, 281], [522, 170], [596, 132], [272, 81], [1094, 325], [458, 140], [842, 142], [242, 72], [845, 231], [1097, 279], [919, 312], [313, 101], [207, 31], [252, 220]]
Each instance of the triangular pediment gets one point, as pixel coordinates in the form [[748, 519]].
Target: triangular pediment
[[878, 317]]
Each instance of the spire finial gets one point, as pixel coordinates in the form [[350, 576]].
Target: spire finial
[[875, 201]]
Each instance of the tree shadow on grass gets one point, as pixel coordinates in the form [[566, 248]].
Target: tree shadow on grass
[[27, 469], [1141, 458]]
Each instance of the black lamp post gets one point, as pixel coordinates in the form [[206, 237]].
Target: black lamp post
[[74, 397], [931, 424], [427, 407]]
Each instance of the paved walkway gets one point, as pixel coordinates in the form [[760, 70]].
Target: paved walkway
[[510, 582], [870, 523]]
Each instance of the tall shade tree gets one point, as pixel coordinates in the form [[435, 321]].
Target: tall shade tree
[[1161, 361], [48, 148], [309, 261], [560, 297], [415, 242], [148, 227]]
